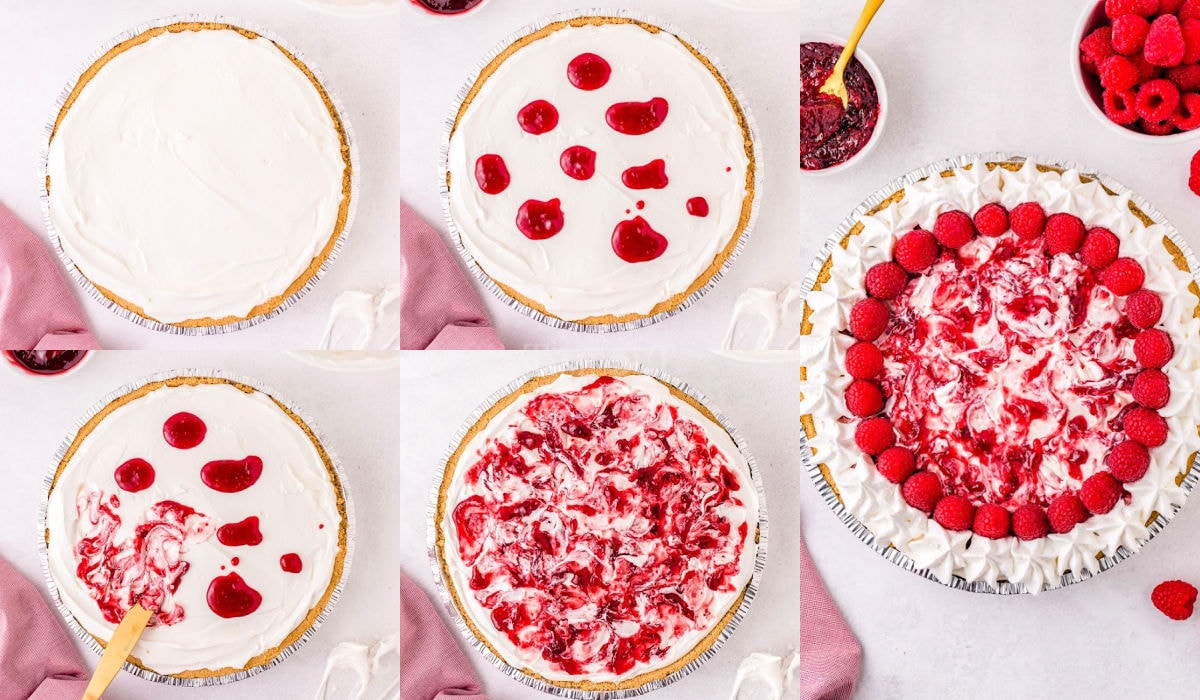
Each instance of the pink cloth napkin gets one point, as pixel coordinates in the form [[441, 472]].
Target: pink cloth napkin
[[37, 660], [439, 309], [432, 665], [38, 310], [829, 652]]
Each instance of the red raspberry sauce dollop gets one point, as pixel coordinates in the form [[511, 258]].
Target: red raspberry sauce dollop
[[600, 528]]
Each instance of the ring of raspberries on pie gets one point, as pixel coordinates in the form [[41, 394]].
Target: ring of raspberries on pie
[[992, 368]]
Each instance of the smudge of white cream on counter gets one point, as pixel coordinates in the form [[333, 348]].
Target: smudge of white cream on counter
[[765, 325], [358, 671], [763, 676], [362, 320]]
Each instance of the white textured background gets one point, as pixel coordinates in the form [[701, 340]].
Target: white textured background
[[356, 414], [442, 389]]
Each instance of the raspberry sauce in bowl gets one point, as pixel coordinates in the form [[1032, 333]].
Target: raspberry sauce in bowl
[[45, 363], [832, 137], [446, 7]]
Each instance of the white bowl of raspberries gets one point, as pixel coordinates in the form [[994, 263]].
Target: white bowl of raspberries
[[1137, 66]]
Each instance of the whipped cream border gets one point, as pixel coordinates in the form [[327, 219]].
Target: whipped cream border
[[48, 482], [873, 507], [564, 688], [44, 170], [444, 169]]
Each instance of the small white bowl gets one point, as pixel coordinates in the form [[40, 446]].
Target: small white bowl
[[1088, 85], [418, 7], [11, 362], [880, 90]]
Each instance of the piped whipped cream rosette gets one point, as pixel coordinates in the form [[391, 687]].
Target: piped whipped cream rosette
[[209, 502], [599, 173], [999, 373], [598, 532]]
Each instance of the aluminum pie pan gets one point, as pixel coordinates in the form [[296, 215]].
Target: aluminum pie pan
[[444, 173], [1189, 478], [52, 585], [44, 163], [442, 586]]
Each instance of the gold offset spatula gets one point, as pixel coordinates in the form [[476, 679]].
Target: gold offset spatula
[[118, 649]]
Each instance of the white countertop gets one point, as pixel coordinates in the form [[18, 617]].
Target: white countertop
[[442, 389], [356, 414]]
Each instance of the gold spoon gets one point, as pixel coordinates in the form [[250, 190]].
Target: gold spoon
[[835, 85], [117, 650]]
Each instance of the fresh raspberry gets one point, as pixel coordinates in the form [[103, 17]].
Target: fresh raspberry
[[1153, 348], [954, 513], [1186, 78], [1191, 41], [992, 521], [1094, 48], [916, 250], [1117, 8], [1129, 34], [1065, 512], [1100, 492], [896, 464], [1118, 73], [922, 491], [863, 398], [1029, 522], [1064, 233], [868, 319], [1128, 461], [874, 435], [953, 229], [1120, 106], [1145, 426], [1146, 70], [886, 280], [1175, 599], [1194, 174], [1143, 308], [1151, 389], [1100, 248], [1164, 42], [1156, 128], [1189, 10], [1169, 7], [864, 360], [991, 219], [1187, 114], [1123, 276], [1157, 100], [1027, 220]]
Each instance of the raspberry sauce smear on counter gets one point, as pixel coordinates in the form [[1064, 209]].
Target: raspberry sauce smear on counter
[[830, 134]]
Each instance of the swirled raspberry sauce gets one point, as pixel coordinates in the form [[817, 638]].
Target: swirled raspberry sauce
[[146, 567], [45, 362], [1008, 371], [829, 133], [600, 527]]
